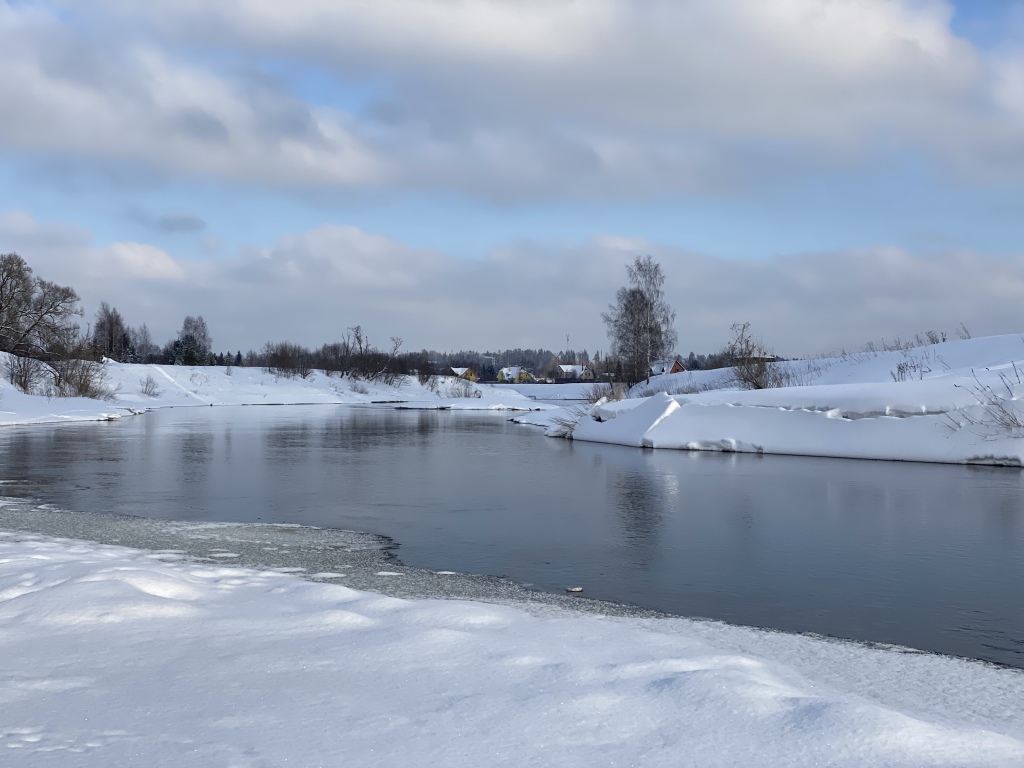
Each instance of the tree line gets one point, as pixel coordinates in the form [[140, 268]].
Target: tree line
[[41, 325]]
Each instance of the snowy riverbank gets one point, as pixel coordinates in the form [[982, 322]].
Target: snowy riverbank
[[143, 387], [950, 405], [118, 656]]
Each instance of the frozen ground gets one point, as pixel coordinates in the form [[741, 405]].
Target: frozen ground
[[950, 404], [116, 656], [183, 386]]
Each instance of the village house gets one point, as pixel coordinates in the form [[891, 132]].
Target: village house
[[465, 373], [515, 374], [578, 372], [666, 366]]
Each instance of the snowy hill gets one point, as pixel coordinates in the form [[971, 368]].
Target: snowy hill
[[955, 402], [141, 387]]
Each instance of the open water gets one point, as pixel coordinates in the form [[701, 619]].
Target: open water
[[925, 556]]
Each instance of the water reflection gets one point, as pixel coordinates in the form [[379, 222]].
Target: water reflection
[[927, 556]]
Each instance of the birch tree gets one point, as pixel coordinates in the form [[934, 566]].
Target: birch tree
[[641, 322]]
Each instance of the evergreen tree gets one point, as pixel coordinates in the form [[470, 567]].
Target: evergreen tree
[[192, 347]]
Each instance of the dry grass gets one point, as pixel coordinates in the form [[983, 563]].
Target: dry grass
[[1000, 414]]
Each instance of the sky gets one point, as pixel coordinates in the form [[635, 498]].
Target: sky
[[476, 174]]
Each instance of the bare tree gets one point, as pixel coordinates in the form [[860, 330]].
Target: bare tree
[[385, 372], [754, 364], [110, 335], [284, 358], [142, 344], [37, 317], [640, 322]]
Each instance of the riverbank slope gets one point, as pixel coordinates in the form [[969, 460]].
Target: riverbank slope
[[953, 402], [136, 388], [118, 656]]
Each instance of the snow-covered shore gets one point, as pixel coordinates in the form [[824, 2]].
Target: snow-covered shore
[[950, 406], [846, 407], [116, 656], [184, 386], [119, 657]]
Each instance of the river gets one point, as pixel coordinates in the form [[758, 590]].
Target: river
[[925, 556]]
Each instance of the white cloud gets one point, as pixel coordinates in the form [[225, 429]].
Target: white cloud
[[515, 100], [137, 260], [72, 97], [311, 286]]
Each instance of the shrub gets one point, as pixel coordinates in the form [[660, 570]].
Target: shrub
[[754, 364], [462, 388], [1000, 415], [79, 378], [148, 387], [605, 392], [24, 373]]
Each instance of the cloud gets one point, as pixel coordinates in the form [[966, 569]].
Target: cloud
[[168, 222], [66, 254], [135, 261], [103, 103], [516, 100], [309, 287]]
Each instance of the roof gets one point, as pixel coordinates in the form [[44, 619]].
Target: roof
[[512, 372], [662, 366]]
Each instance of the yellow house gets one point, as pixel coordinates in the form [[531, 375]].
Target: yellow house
[[515, 374], [465, 373]]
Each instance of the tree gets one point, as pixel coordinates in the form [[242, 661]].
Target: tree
[[142, 342], [640, 322], [37, 317], [192, 347], [754, 364], [111, 336]]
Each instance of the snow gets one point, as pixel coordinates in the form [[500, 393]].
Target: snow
[[184, 386], [575, 390], [117, 656], [114, 656], [847, 407]]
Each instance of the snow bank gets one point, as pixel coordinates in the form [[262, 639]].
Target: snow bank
[[182, 386], [574, 390], [936, 416], [662, 422], [115, 657]]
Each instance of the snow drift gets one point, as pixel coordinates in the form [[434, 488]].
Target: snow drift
[[964, 405], [121, 657]]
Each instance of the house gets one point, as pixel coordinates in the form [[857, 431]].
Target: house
[[465, 373], [666, 366], [515, 373], [578, 372]]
